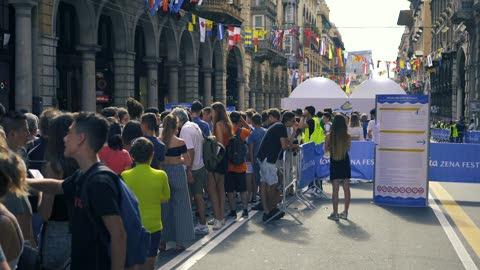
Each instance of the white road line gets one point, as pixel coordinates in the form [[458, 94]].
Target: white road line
[[452, 236], [202, 243]]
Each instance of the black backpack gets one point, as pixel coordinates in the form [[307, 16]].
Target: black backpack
[[236, 150]]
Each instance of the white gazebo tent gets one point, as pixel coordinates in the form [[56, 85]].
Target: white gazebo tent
[[318, 92], [363, 97]]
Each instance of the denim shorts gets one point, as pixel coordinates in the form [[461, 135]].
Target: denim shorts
[[268, 173], [154, 242], [56, 244]]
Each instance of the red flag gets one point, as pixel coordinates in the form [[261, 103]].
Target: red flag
[[165, 5], [152, 3]]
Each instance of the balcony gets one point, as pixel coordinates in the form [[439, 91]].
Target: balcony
[[267, 52], [222, 11], [264, 7], [463, 12]]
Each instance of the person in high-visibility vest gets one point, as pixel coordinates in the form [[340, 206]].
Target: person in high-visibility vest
[[453, 132], [313, 132]]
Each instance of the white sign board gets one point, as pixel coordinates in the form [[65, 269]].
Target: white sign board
[[401, 156]]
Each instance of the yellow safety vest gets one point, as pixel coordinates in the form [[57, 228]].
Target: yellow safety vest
[[454, 131], [317, 135]]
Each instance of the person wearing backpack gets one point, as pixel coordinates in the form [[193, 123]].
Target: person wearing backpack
[[235, 180], [223, 131], [151, 188], [95, 196]]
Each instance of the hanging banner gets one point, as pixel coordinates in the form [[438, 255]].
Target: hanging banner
[[401, 156]]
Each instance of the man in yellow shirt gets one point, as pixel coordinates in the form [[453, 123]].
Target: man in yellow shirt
[[151, 188]]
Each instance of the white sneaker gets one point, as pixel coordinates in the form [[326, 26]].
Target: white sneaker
[[201, 229], [310, 191], [217, 225], [211, 222]]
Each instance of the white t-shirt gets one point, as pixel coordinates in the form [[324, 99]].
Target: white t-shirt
[[374, 128], [192, 135], [327, 127], [356, 133]]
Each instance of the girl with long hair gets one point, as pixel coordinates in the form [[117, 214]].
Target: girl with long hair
[[56, 236], [12, 180], [338, 142], [223, 131], [176, 213], [355, 129]]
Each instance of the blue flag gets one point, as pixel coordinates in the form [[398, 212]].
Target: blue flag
[[220, 31], [155, 7]]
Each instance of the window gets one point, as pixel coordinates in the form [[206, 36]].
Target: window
[[306, 66], [260, 2], [289, 14], [259, 24], [287, 45]]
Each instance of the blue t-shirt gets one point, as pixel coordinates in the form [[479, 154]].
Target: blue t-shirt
[[159, 151], [255, 138], [203, 126]]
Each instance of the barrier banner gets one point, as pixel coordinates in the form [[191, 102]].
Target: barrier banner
[[307, 164], [443, 135], [361, 160], [455, 162], [401, 156], [472, 137]]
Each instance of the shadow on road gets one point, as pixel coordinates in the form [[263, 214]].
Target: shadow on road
[[350, 229], [422, 215]]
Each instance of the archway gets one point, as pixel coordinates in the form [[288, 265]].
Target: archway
[[7, 55], [218, 74], [168, 67], [69, 63], [205, 73], [188, 73], [104, 75], [461, 86], [140, 81], [234, 78]]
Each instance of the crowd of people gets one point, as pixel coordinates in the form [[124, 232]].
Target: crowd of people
[[53, 212], [457, 129]]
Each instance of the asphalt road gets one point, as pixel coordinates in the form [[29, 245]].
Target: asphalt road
[[374, 237]]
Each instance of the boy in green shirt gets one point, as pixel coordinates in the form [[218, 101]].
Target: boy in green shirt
[[151, 188]]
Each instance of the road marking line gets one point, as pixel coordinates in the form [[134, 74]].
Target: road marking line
[[464, 223], [202, 243], [207, 248], [452, 236]]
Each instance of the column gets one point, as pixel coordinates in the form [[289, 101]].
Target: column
[[272, 101], [88, 95], [253, 103], [152, 78], [207, 85], [221, 85], [191, 83], [172, 82], [23, 53], [259, 102], [241, 94], [266, 101], [124, 67]]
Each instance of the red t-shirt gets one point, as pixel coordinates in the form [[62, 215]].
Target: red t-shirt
[[116, 160]]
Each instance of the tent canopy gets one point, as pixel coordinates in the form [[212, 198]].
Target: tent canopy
[[379, 86], [318, 88]]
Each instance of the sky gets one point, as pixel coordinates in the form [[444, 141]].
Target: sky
[[369, 25]]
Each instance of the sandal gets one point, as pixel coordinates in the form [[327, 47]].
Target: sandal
[[333, 216], [162, 247], [179, 248]]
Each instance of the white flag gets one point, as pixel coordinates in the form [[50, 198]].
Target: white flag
[[202, 28], [429, 60]]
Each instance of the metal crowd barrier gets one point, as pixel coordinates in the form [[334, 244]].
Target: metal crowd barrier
[[443, 135], [288, 168]]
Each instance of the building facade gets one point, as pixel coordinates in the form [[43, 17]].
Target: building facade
[[85, 55], [453, 77]]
